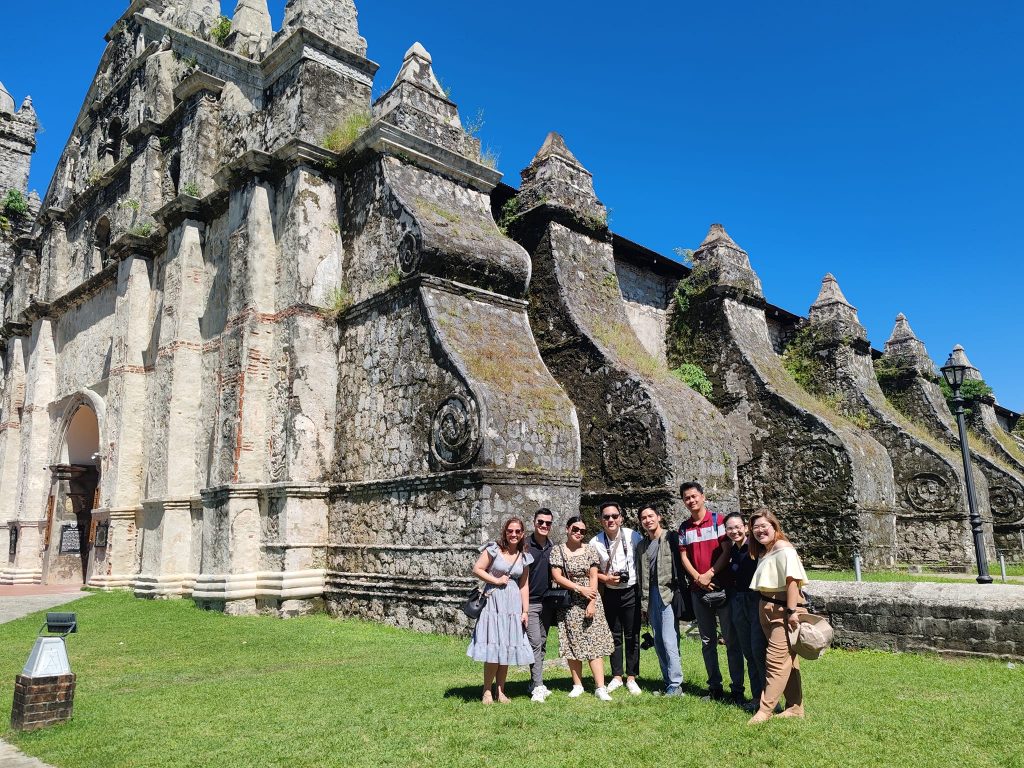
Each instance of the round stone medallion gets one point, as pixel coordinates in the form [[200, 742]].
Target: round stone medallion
[[455, 432], [930, 492]]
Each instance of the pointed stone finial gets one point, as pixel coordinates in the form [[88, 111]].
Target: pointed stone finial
[[834, 313], [831, 293], [556, 177], [337, 21], [554, 145], [197, 16], [718, 236], [416, 103], [903, 345], [27, 110], [251, 29], [959, 357], [721, 257], [6, 101], [417, 69]]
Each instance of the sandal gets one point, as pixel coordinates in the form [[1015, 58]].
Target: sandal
[[487, 698]]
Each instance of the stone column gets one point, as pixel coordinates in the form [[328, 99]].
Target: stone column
[[176, 453], [36, 433], [13, 397], [124, 457], [831, 483], [644, 432]]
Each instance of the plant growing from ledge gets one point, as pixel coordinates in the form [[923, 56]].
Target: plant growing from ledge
[[489, 158], [143, 229], [338, 302], [14, 205], [339, 139], [220, 31], [694, 377], [191, 189], [132, 204]]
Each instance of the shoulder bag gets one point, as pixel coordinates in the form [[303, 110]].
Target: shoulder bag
[[682, 607], [475, 602], [557, 597]]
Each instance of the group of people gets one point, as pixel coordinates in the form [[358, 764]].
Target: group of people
[[740, 577]]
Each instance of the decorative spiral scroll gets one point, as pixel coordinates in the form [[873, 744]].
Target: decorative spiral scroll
[[1007, 503], [455, 432], [628, 448], [929, 492], [409, 254], [814, 467]]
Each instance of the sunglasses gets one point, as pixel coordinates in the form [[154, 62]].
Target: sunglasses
[[609, 517], [580, 531], [543, 524], [516, 531]]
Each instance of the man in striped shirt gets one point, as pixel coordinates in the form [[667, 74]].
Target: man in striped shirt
[[704, 550]]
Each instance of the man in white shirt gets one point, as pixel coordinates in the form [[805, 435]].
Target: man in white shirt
[[616, 547]]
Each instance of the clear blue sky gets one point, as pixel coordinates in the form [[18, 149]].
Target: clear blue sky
[[880, 141]]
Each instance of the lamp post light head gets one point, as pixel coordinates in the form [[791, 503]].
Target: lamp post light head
[[954, 371]]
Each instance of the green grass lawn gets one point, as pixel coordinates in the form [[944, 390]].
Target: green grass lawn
[[164, 684]]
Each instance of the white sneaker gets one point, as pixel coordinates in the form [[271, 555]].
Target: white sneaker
[[615, 683], [577, 690], [538, 695], [633, 688], [602, 694], [545, 691]]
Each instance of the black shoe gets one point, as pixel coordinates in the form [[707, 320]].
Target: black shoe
[[714, 694], [738, 698]]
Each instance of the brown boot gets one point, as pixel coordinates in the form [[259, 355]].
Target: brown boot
[[797, 710]]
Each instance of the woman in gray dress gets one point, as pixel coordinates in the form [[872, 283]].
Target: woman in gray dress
[[583, 633], [499, 638]]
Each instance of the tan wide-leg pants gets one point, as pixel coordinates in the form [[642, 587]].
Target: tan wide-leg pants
[[782, 665]]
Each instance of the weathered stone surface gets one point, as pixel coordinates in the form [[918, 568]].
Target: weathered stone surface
[[908, 378], [957, 619], [275, 352], [831, 483], [931, 523], [643, 431]]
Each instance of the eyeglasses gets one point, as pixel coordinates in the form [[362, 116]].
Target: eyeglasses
[[543, 524], [609, 517], [580, 531]]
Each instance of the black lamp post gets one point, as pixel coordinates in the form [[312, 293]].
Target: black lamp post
[[953, 372]]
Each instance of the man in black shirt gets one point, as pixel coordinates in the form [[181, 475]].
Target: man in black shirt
[[542, 615]]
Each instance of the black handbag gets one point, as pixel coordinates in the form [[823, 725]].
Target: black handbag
[[474, 604], [558, 598], [715, 599]]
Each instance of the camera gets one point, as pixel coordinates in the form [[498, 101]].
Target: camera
[[646, 641], [623, 576]]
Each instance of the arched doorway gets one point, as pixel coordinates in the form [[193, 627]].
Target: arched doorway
[[74, 494]]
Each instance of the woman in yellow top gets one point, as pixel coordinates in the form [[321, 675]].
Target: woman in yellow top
[[779, 578]]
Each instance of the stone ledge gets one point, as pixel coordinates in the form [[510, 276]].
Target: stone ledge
[[958, 619]]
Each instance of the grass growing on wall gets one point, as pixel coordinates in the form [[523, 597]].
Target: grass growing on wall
[[162, 685]]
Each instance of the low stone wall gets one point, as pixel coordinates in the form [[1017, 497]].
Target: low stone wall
[[962, 619]]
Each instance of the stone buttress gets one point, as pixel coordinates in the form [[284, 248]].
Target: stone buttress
[[931, 493], [907, 376], [830, 483], [643, 431], [448, 420]]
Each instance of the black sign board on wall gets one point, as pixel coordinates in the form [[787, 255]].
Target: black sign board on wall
[[13, 550], [70, 539]]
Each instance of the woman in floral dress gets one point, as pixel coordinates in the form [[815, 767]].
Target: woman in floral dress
[[583, 633]]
